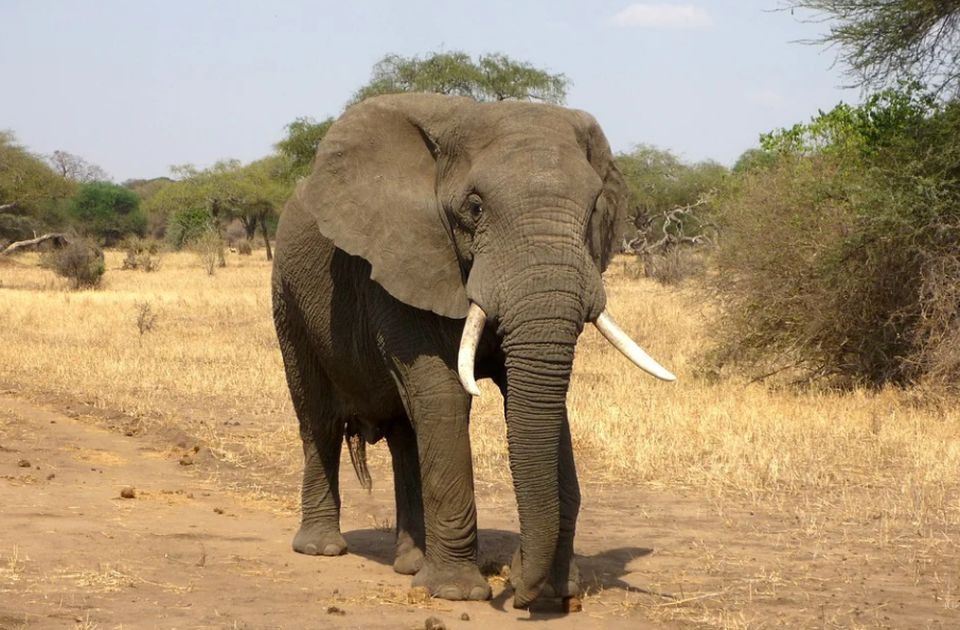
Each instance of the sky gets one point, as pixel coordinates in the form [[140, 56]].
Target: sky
[[136, 87]]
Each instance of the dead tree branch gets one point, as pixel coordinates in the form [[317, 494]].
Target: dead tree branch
[[56, 240]]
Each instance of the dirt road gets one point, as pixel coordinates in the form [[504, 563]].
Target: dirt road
[[187, 553]]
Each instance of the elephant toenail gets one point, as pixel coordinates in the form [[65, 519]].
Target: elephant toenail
[[480, 593], [331, 550], [450, 592], [310, 549]]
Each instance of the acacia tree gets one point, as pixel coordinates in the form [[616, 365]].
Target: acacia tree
[[227, 190], [300, 145], [30, 192], [493, 77], [883, 41]]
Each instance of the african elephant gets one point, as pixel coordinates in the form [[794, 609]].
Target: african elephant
[[437, 235]]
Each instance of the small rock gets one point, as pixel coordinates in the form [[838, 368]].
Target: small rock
[[333, 610], [434, 623], [186, 460], [464, 617], [23, 463], [218, 510], [418, 595], [128, 493], [50, 476]]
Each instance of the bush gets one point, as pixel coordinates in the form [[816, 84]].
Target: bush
[[841, 258], [187, 225], [79, 261], [141, 254], [108, 211], [244, 248], [209, 248]]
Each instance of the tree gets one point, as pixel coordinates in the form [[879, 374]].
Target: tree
[[76, 169], [30, 192], [884, 41], [227, 190], [300, 146], [659, 181], [492, 77], [839, 260], [108, 211]]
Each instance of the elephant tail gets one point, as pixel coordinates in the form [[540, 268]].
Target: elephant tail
[[357, 447]]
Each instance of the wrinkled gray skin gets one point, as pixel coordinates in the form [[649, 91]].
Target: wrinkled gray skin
[[418, 205]]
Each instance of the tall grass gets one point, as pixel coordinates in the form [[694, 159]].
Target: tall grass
[[211, 357]]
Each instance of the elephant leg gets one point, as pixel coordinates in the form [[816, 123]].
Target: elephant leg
[[440, 410], [406, 483], [319, 532], [321, 431]]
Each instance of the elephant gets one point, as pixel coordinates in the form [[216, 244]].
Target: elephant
[[439, 240]]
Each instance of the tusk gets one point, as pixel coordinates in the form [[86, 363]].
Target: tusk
[[476, 319], [622, 342]]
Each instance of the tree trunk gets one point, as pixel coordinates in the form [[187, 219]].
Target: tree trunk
[[266, 237]]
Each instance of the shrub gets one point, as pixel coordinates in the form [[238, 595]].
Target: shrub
[[187, 225], [80, 262], [209, 249], [841, 258], [108, 211], [244, 248], [141, 254]]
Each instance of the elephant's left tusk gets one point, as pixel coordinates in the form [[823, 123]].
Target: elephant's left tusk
[[472, 328], [622, 342]]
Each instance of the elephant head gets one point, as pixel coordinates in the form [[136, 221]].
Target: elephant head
[[501, 213]]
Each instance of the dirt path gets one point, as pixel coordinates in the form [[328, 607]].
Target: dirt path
[[185, 553]]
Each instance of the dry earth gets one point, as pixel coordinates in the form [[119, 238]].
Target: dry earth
[[190, 552]]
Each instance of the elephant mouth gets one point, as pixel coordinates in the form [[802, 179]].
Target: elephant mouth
[[605, 324]]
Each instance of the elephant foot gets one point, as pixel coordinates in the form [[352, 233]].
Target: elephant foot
[[409, 559], [454, 582], [314, 540]]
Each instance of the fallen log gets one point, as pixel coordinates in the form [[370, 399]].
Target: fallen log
[[56, 240]]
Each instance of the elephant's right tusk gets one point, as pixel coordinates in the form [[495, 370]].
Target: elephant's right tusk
[[622, 342], [476, 319]]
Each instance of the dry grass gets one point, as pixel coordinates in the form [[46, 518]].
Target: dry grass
[[211, 359], [881, 468]]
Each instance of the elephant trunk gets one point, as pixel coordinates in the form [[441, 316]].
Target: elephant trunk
[[539, 348]]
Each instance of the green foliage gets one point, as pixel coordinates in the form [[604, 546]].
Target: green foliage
[[659, 181], [299, 146], [881, 41], [753, 159], [187, 225], [107, 211], [81, 262], [840, 259], [492, 77], [228, 190], [876, 125], [670, 211], [31, 194]]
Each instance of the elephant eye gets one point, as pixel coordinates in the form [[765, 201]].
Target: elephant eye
[[476, 205]]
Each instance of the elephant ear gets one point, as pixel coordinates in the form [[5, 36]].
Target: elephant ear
[[373, 193], [607, 223]]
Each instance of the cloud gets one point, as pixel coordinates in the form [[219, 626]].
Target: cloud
[[663, 16]]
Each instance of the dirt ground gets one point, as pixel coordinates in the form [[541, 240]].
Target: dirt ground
[[190, 550]]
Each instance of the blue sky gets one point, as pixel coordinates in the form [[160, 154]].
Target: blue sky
[[138, 86]]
